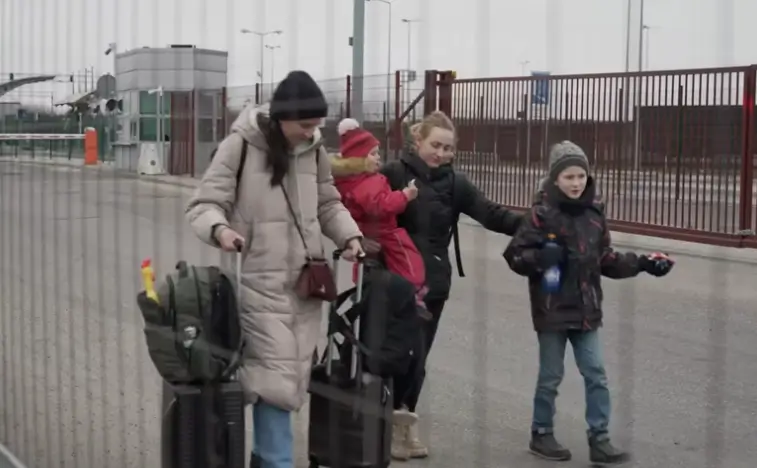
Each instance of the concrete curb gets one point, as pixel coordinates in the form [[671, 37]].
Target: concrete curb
[[179, 181]]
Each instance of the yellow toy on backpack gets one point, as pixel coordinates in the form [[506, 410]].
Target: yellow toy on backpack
[[148, 280]]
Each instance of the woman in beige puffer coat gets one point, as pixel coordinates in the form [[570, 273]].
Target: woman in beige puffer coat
[[284, 153]]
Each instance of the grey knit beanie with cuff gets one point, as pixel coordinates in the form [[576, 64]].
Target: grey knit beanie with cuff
[[566, 154]]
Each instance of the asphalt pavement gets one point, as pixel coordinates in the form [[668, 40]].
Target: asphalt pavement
[[77, 388]]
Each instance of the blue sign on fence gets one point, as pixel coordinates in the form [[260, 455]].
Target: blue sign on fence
[[540, 88]]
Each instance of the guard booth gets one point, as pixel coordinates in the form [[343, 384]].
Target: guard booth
[[173, 108]]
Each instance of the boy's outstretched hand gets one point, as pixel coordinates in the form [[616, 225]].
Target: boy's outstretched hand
[[656, 264]]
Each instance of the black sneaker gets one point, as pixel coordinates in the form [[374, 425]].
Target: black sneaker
[[548, 448], [602, 452]]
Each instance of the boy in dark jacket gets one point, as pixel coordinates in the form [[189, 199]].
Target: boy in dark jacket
[[569, 208]]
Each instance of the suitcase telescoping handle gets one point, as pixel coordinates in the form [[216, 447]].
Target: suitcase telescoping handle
[[239, 245], [331, 346]]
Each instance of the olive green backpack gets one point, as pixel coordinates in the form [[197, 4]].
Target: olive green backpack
[[193, 334]]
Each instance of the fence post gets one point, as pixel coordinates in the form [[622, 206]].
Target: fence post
[[747, 150], [429, 97], [348, 96], [680, 114], [399, 138], [445, 91]]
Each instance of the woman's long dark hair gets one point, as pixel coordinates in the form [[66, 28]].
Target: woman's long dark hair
[[277, 157]]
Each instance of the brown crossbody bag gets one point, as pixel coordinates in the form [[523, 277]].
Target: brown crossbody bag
[[316, 280]]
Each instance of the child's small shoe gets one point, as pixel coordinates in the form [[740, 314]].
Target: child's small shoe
[[423, 312], [421, 305]]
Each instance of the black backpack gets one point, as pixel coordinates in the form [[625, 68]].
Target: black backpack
[[389, 323]]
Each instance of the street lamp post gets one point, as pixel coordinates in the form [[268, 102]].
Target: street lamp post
[[626, 83], [648, 29], [272, 48], [641, 34], [637, 110], [409, 23], [358, 59], [626, 86], [388, 56], [262, 36], [523, 65]]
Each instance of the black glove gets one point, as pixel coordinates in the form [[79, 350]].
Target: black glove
[[551, 255], [656, 264]]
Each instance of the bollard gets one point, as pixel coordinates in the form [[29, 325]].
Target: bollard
[[90, 147]]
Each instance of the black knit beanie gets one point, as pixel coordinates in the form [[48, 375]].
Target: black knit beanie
[[298, 97]]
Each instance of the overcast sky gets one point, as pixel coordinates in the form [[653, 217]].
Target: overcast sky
[[476, 37]]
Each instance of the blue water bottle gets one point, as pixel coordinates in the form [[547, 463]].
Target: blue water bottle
[[550, 281]]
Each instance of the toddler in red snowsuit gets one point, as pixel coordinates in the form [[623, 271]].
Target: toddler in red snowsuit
[[373, 205]]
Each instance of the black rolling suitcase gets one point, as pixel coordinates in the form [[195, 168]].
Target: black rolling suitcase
[[350, 410], [203, 425]]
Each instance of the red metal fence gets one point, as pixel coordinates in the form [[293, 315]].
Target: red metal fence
[[673, 152]]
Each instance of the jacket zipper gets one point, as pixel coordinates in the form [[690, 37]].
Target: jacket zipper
[[582, 285], [295, 320]]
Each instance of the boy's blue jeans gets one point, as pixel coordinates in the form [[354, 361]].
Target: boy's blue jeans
[[588, 354], [273, 439]]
